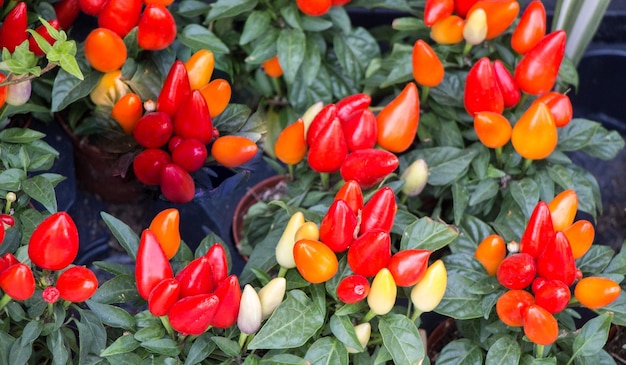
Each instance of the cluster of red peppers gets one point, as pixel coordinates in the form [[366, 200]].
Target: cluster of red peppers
[[347, 137], [52, 247], [539, 277], [318, 7], [176, 135], [361, 231]]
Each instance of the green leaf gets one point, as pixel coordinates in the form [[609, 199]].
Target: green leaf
[[56, 343], [526, 194], [445, 164], [327, 350], [485, 190], [354, 51], [20, 135], [91, 335], [228, 346], [460, 352], [256, 24], [618, 262], [230, 8], [311, 63], [590, 137], [343, 330], [163, 346], [290, 47], [401, 338], [150, 333], [618, 309], [201, 348], [41, 190], [6, 342], [111, 315], [67, 89], [293, 323], [427, 234], [281, 359], [505, 351], [460, 201], [592, 336], [595, 260], [114, 268], [196, 36], [126, 237], [408, 24], [191, 8], [123, 344], [264, 48], [120, 289]]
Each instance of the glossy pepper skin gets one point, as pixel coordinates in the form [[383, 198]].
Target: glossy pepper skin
[[408, 266], [338, 226], [481, 89], [290, 147], [397, 122], [492, 129], [370, 252], [176, 89], [195, 278], [379, 211], [193, 120], [500, 15], [13, 29], [351, 104], [560, 106], [427, 67], [229, 294], [383, 293], [359, 129], [352, 194], [163, 296], [563, 209], [511, 305], [517, 271], [200, 68], [54, 243], [530, 29], [320, 122], [428, 292], [353, 288], [448, 30], [284, 247], [368, 167], [121, 16], [18, 281], [77, 284], [537, 71], [328, 149], [596, 292], [166, 227], [511, 94], [435, 10], [218, 261], [580, 236], [539, 230], [66, 12], [151, 265], [315, 261], [491, 251], [540, 326], [534, 134], [556, 261], [193, 315]]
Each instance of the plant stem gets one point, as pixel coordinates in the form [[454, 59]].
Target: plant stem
[[425, 92], [499, 157], [368, 316], [416, 315], [282, 272], [292, 171], [539, 349], [168, 326], [527, 163], [467, 49], [242, 340], [325, 180], [4, 301]]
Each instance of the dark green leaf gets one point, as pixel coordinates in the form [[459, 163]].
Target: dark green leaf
[[150, 333], [191, 8], [401, 338], [6, 342], [618, 263], [112, 316], [354, 51], [56, 344], [327, 350], [120, 289], [505, 351], [281, 359], [114, 268], [592, 336], [526, 194], [290, 47], [460, 199], [427, 234], [123, 344], [91, 334], [201, 348], [20, 135], [163, 346], [311, 63], [41, 190], [445, 164], [460, 352], [230, 8], [343, 329], [67, 89], [196, 36], [11, 179], [264, 48], [596, 259], [257, 23], [229, 347], [485, 190], [293, 323], [126, 237]]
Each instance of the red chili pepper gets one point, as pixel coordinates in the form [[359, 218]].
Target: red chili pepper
[[229, 294], [41, 30], [537, 71], [352, 104], [176, 184], [435, 10], [320, 122], [461, 7], [3, 264], [10, 259], [338, 226], [54, 243], [368, 167], [193, 119], [351, 193], [510, 92], [66, 12], [556, 261], [511, 306], [360, 130], [77, 284], [120, 16], [195, 278], [163, 296], [13, 28], [531, 27], [91, 7], [408, 266], [481, 89], [193, 315], [328, 149], [517, 271], [176, 89], [540, 326], [560, 106], [148, 165], [553, 296], [156, 29], [370, 252], [352, 289], [7, 220], [539, 230], [18, 281], [152, 265], [397, 122], [219, 263], [166, 227], [153, 130], [379, 211]]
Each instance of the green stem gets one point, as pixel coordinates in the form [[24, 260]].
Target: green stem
[[4, 301], [416, 315], [403, 198], [467, 49], [499, 157], [425, 92], [282, 272], [276, 83], [168, 326], [242, 340], [325, 180], [539, 349], [527, 163], [292, 171], [368, 316]]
